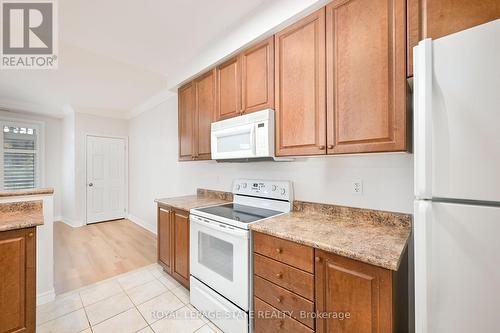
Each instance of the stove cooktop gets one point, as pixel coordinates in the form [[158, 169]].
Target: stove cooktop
[[240, 213]]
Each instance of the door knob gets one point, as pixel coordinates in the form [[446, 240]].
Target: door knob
[[91, 184]]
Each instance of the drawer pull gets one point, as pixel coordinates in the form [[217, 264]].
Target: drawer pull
[[278, 250], [278, 299], [280, 324], [30, 234], [317, 259], [279, 275]]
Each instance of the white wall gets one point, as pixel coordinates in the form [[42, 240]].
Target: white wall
[[68, 167], [154, 171], [52, 158]]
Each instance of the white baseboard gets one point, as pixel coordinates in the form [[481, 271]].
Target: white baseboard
[[70, 222], [45, 297], [58, 218], [142, 223]]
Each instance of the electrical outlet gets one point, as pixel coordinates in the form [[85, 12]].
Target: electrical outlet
[[357, 187]]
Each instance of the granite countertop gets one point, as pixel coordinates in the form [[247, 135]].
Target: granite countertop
[[201, 199], [20, 215], [373, 237], [36, 191]]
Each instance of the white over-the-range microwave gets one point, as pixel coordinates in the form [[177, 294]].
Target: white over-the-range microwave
[[249, 136]]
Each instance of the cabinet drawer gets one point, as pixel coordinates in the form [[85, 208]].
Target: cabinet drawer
[[269, 319], [290, 253], [284, 300], [288, 277]]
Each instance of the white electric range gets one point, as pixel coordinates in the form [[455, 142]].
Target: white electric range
[[221, 249]]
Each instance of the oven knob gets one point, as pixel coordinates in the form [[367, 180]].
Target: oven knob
[[244, 185], [274, 187], [237, 187], [283, 191]]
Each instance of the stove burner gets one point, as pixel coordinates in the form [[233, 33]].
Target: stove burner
[[240, 213]]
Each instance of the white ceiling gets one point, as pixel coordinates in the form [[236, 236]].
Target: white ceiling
[[115, 54], [158, 35]]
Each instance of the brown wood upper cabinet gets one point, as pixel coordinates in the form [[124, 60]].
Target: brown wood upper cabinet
[[438, 18], [173, 242], [17, 280], [228, 89], [245, 83], [196, 113], [300, 87], [257, 77], [186, 121], [366, 81]]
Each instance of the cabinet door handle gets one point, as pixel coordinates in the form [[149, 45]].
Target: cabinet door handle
[[278, 250], [30, 234], [330, 146], [317, 259], [278, 299], [321, 147], [279, 275]]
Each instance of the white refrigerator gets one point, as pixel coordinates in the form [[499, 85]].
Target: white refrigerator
[[457, 182]]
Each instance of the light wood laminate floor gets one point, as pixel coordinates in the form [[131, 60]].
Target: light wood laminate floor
[[95, 252]]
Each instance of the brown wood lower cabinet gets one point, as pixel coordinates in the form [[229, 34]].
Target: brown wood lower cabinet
[[173, 242], [17, 280], [356, 297], [341, 295]]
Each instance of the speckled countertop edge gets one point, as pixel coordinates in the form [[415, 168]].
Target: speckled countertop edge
[[375, 237], [37, 191], [356, 222], [203, 198], [20, 215]]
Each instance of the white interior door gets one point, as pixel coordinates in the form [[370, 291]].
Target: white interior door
[[106, 182]]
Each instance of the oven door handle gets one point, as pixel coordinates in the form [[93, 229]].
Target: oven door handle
[[220, 227]]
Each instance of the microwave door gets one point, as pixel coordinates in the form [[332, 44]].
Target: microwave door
[[234, 142]]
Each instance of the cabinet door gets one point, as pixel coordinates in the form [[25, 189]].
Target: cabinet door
[[180, 238], [187, 110], [164, 236], [228, 89], [366, 76], [205, 108], [17, 280], [300, 87], [257, 77], [444, 17], [345, 286]]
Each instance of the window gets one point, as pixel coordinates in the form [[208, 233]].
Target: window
[[19, 155]]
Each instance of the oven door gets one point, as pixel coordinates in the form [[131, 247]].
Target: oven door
[[233, 142], [219, 257]]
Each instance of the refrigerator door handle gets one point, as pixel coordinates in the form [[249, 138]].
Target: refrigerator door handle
[[422, 111], [422, 237]]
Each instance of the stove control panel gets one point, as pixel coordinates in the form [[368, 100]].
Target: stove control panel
[[271, 189]]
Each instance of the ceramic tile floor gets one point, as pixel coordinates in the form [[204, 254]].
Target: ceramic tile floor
[[145, 300]]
